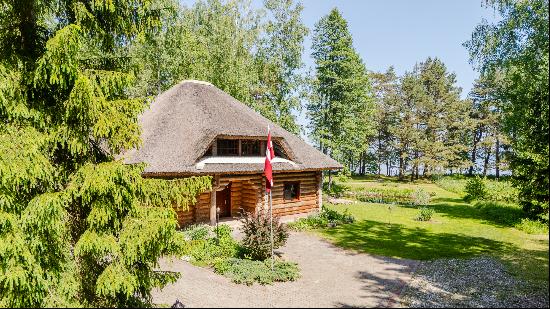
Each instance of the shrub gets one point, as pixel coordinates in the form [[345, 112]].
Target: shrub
[[502, 191], [208, 250], [256, 242], [196, 232], [424, 214], [322, 219], [420, 197], [313, 221], [475, 189], [244, 271]]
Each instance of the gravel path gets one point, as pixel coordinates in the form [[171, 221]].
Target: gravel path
[[331, 277], [477, 282]]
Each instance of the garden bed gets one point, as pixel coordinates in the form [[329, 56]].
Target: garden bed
[[205, 247]]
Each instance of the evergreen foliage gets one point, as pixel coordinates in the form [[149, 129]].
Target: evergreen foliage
[[341, 105], [78, 228]]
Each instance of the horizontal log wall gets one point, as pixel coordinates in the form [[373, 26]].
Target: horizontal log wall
[[308, 200], [248, 194], [199, 212]]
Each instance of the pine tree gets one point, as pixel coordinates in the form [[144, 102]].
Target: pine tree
[[76, 226], [341, 105], [385, 86]]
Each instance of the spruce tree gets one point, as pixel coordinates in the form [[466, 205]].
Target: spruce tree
[[341, 105], [77, 227]]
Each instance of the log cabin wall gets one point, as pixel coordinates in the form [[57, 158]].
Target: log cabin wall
[[308, 197], [197, 213], [248, 193]]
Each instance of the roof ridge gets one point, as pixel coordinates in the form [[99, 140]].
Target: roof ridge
[[196, 81]]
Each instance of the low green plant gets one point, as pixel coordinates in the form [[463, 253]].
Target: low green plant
[[424, 214], [206, 251], [244, 271], [256, 242], [510, 214], [394, 195], [196, 232], [455, 184], [530, 226], [475, 189], [501, 191], [323, 219]]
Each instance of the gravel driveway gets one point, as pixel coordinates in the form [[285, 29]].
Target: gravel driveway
[[331, 277]]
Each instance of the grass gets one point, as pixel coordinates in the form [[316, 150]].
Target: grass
[[456, 230]]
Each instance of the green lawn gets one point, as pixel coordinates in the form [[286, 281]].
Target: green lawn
[[456, 230]]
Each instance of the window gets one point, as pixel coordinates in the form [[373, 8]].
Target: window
[[291, 191], [250, 148], [228, 147]]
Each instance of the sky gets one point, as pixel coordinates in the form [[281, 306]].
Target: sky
[[402, 33]]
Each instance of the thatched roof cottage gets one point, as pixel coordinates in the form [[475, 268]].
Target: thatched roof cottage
[[195, 128]]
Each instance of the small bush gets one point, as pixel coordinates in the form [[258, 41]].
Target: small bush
[[256, 242], [322, 219], [475, 189], [424, 214], [204, 252], [197, 232], [244, 271], [420, 197], [313, 221]]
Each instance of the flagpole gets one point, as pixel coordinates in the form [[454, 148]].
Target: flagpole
[[271, 223]]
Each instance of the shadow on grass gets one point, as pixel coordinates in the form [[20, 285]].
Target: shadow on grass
[[396, 240], [498, 214]]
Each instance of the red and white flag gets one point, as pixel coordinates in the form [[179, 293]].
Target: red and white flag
[[269, 155]]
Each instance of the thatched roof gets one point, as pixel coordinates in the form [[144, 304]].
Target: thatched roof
[[182, 122]]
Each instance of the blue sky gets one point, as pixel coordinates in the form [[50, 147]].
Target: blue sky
[[402, 33]]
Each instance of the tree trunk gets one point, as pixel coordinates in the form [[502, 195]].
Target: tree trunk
[[477, 137], [486, 162], [379, 154], [400, 166], [497, 158], [388, 171]]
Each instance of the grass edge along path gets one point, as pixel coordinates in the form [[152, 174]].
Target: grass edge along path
[[457, 230]]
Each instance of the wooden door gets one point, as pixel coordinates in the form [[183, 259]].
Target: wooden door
[[223, 202]]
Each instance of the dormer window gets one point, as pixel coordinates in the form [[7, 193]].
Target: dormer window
[[242, 148], [250, 148], [228, 147]]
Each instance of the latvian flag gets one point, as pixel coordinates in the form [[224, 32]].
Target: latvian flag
[[269, 155]]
